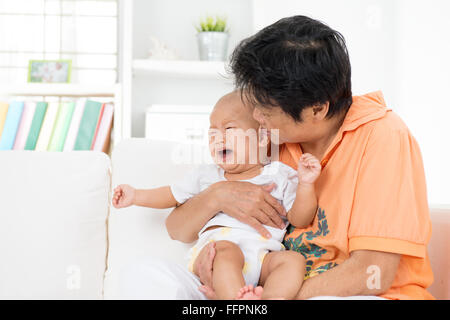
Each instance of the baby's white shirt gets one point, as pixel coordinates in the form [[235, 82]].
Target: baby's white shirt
[[201, 177]]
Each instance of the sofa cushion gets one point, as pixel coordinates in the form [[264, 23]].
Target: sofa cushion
[[53, 213], [139, 233]]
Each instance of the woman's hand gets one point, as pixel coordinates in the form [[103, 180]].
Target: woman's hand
[[203, 267], [124, 196], [251, 204]]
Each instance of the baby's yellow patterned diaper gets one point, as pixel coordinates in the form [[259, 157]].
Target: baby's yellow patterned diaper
[[254, 248]]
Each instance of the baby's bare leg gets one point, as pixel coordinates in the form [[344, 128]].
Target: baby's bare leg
[[227, 276], [282, 274]]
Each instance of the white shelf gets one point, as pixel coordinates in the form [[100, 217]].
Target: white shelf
[[179, 109], [60, 89], [182, 68]]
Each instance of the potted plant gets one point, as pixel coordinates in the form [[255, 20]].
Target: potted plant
[[212, 39]]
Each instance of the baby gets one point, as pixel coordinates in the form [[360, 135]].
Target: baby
[[246, 265]]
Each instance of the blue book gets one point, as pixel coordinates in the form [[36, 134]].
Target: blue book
[[12, 122]]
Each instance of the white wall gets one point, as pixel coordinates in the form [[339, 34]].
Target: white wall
[[172, 21], [422, 84], [401, 47], [367, 27]]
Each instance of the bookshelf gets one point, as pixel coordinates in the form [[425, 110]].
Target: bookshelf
[[121, 128], [142, 82]]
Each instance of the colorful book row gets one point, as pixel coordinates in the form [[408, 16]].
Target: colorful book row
[[55, 126]]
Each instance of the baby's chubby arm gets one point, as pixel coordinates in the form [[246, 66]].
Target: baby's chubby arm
[[158, 198], [305, 205]]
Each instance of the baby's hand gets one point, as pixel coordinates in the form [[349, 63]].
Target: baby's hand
[[308, 169], [123, 196]]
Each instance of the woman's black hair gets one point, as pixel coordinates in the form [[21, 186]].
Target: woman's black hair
[[295, 63]]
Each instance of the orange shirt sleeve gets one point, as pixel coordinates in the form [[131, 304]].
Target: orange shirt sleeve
[[390, 210]]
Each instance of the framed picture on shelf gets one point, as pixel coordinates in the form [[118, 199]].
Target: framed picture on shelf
[[49, 71]]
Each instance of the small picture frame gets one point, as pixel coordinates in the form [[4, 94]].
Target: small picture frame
[[49, 71]]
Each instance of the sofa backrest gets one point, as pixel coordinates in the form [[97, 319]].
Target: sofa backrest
[[53, 236], [439, 252]]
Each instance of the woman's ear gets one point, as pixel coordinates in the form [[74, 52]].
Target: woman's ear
[[320, 112], [263, 137], [264, 146]]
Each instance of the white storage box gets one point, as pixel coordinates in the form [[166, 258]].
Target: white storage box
[[178, 123]]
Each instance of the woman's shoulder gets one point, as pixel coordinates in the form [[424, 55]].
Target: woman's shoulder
[[390, 134], [388, 124], [389, 130]]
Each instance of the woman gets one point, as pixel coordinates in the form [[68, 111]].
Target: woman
[[370, 233]]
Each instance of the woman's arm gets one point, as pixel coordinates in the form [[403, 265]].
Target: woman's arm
[[249, 203], [185, 221], [365, 273]]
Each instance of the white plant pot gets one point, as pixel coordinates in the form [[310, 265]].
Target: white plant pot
[[212, 46]]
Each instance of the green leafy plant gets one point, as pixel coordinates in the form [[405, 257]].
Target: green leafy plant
[[209, 24]]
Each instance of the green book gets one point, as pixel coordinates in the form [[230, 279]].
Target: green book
[[36, 124], [88, 124], [61, 126]]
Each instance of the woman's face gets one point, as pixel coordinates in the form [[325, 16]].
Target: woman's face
[[283, 128]]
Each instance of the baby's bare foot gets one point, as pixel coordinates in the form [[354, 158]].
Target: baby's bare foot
[[250, 293]]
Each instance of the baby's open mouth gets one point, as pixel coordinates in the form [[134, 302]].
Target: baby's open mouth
[[224, 153]]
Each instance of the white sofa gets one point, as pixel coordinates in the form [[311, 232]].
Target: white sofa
[[60, 237]]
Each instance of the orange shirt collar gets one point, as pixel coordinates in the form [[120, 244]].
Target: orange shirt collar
[[364, 109]]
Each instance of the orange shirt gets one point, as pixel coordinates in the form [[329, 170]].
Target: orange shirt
[[371, 196]]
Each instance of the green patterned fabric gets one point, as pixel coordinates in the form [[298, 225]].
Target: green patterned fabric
[[310, 250]]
